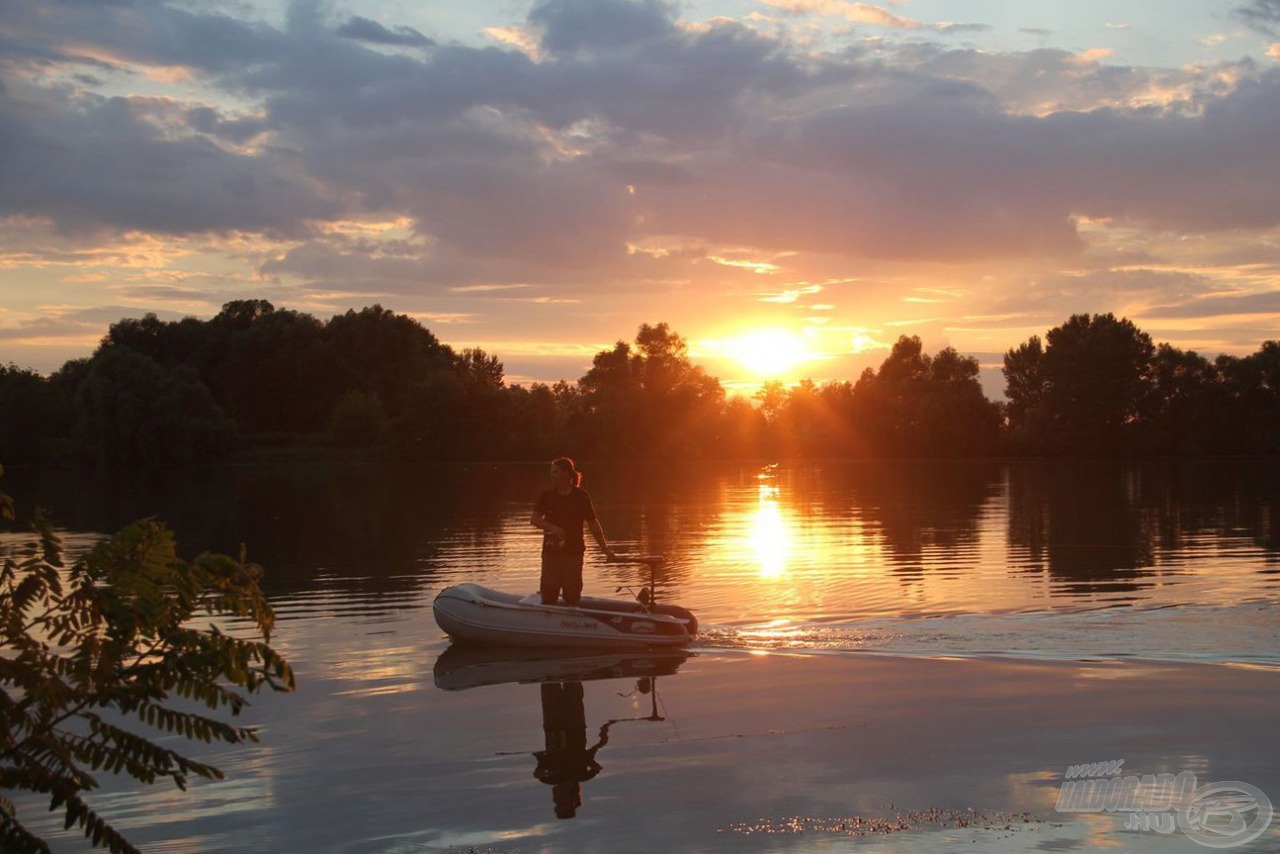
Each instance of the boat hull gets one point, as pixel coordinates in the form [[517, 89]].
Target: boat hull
[[476, 614]]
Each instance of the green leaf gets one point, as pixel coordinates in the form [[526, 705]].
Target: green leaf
[[112, 635]]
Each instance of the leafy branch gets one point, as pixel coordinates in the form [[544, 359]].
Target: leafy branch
[[95, 655]]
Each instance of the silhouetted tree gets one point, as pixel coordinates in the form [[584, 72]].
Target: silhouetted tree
[[1185, 404], [386, 353], [129, 408], [484, 370], [744, 430], [1085, 391], [358, 420], [1253, 389], [921, 405], [1093, 385], [274, 372], [772, 398], [32, 410], [650, 400]]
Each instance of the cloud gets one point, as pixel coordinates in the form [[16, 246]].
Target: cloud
[[790, 295], [569, 26], [1044, 81], [619, 129], [487, 288], [365, 30], [867, 14], [428, 317], [1055, 296], [101, 163], [73, 323], [494, 154], [1262, 15], [145, 33], [1267, 302], [517, 36]]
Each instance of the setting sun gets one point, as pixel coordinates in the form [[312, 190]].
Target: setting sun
[[769, 352]]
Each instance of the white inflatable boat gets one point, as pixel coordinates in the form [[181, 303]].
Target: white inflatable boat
[[470, 612]]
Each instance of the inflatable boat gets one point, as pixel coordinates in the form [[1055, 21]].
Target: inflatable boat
[[470, 612]]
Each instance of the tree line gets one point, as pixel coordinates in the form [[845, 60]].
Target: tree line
[[192, 390]]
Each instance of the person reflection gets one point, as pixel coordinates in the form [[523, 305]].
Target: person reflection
[[567, 762]]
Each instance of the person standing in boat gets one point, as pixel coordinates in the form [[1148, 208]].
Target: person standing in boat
[[560, 513]]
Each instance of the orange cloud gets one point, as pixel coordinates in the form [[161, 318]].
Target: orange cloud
[[859, 13]]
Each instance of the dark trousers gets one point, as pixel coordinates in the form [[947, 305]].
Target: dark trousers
[[561, 571]]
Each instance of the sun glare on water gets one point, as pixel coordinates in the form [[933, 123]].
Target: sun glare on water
[[769, 534]]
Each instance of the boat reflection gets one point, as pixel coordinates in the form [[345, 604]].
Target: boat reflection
[[565, 762], [464, 666]]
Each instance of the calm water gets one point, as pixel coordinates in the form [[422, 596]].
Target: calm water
[[1074, 569]]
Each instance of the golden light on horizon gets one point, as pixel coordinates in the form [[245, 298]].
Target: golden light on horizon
[[770, 352]]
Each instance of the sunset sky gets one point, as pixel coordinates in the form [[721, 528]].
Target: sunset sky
[[802, 178]]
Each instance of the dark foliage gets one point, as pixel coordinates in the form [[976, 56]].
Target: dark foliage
[[104, 666], [172, 391], [1098, 386]]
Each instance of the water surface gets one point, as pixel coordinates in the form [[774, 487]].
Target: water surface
[[1100, 610]]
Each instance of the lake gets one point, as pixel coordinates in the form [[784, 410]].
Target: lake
[[895, 656]]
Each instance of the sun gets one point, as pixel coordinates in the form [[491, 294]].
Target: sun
[[769, 352]]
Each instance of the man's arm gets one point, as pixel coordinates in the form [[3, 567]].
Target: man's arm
[[597, 531]]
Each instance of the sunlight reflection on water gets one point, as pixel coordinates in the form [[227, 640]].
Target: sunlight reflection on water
[[958, 560], [1070, 560], [385, 746]]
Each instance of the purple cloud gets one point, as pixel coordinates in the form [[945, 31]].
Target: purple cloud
[[623, 126]]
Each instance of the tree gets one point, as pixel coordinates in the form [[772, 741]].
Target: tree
[[1024, 380], [358, 420], [651, 400], [129, 408], [1185, 404], [483, 369], [32, 410], [1086, 391], [925, 405], [274, 371], [95, 656], [772, 397], [243, 313], [1252, 384], [385, 353]]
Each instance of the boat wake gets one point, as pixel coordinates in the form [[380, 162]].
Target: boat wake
[[1245, 634]]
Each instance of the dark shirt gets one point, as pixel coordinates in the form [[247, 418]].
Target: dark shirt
[[567, 512]]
